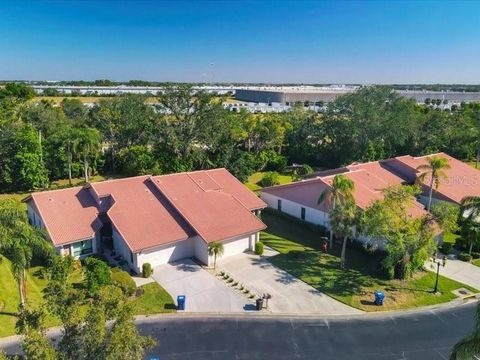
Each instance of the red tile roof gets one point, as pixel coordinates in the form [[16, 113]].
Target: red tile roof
[[212, 212], [152, 211], [68, 215], [141, 214], [461, 179], [370, 180]]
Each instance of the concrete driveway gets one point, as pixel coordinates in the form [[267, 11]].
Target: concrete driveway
[[204, 292], [289, 294]]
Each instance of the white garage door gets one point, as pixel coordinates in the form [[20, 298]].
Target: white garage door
[[235, 246], [166, 254]]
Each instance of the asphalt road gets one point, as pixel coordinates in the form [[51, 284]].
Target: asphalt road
[[422, 334], [417, 335]]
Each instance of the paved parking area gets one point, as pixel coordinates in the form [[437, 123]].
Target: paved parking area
[[204, 292], [289, 294]]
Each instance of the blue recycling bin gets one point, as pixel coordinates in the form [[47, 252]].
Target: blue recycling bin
[[181, 302], [379, 298]]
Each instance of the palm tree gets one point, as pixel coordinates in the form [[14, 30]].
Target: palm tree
[[340, 192], [88, 145], [469, 347], [435, 170], [71, 138], [19, 242], [471, 207], [342, 220], [215, 249]]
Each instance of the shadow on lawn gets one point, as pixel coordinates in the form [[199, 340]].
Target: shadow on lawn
[[323, 272]]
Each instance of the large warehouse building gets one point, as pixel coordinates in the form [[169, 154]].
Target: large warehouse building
[[292, 94]]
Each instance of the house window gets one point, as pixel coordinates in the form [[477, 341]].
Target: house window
[[279, 205], [131, 257], [82, 248], [302, 214]]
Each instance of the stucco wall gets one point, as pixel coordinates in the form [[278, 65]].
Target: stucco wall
[[314, 216]]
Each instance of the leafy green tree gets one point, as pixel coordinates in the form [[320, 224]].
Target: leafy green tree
[[21, 164], [137, 160], [469, 347], [17, 91], [408, 241], [96, 273], [194, 130], [35, 344], [270, 178], [433, 172], [19, 242], [446, 214], [340, 192], [215, 249]]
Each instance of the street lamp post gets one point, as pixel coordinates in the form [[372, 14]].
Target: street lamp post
[[443, 262]]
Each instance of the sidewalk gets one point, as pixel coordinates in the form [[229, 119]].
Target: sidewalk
[[461, 271]]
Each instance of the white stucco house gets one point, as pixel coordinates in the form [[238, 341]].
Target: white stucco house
[[151, 219]]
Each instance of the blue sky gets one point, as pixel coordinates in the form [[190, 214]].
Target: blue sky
[[242, 41]]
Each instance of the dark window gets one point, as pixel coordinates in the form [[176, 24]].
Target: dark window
[[302, 215], [279, 205], [131, 257]]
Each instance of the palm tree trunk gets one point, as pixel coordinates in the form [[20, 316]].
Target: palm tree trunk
[[215, 260], [471, 247], [70, 167], [85, 167], [331, 231], [344, 249], [430, 194], [21, 283]]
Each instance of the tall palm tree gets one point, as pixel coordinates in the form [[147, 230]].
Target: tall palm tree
[[435, 170], [19, 242], [342, 220], [71, 137], [215, 249], [340, 192], [469, 347], [471, 207], [88, 145]]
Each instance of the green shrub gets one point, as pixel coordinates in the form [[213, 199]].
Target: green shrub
[[259, 248], [124, 281], [446, 248], [475, 255], [97, 274], [270, 178], [147, 270], [464, 257]]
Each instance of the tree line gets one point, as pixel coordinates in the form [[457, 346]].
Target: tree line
[[41, 142]]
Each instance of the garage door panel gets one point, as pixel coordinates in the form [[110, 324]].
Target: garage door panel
[[236, 246], [170, 253]]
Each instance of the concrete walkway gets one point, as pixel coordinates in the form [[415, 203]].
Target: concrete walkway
[[461, 271], [289, 294], [204, 292]]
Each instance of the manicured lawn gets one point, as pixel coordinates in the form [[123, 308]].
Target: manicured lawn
[[10, 298], [154, 299], [301, 257], [253, 182], [476, 262]]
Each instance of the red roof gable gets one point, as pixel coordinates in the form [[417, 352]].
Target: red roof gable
[[68, 215], [152, 211]]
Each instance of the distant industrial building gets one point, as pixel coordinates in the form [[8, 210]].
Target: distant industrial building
[[291, 95]]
